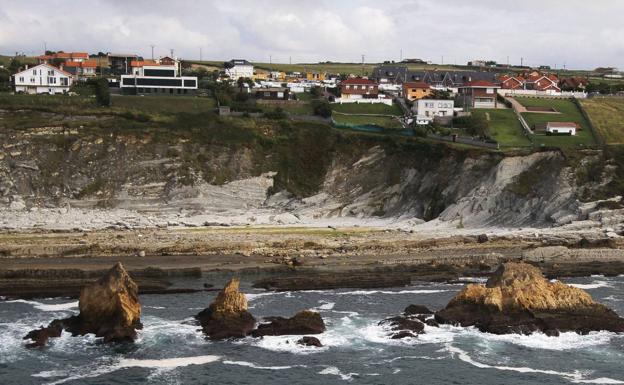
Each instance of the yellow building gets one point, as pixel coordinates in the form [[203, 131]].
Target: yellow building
[[260, 76], [416, 90], [315, 76]]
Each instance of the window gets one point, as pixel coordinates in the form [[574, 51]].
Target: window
[[21, 79], [35, 72]]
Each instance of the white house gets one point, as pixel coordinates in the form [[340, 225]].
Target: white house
[[239, 68], [149, 78], [561, 128], [428, 109], [42, 79]]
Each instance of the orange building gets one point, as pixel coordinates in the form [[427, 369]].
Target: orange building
[[416, 90]]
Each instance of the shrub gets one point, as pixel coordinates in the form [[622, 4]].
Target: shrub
[[102, 92], [322, 108], [277, 114]]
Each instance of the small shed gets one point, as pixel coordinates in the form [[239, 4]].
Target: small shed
[[561, 128]]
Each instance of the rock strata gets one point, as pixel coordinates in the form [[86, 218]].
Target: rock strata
[[518, 299], [227, 316], [304, 322], [109, 308]]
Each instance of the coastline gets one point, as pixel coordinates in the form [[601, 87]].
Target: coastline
[[38, 262]]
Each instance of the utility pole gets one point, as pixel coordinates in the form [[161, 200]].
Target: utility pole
[[507, 60], [442, 59], [171, 49], [362, 64], [521, 62], [401, 57], [45, 47], [289, 59], [200, 53], [152, 45]]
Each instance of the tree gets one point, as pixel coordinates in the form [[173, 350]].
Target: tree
[[15, 65], [322, 108], [316, 92], [102, 92]]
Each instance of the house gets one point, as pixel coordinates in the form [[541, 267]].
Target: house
[[542, 82], [479, 94], [278, 75], [561, 128], [573, 83], [359, 88], [119, 63], [239, 68], [509, 82], [272, 93], [81, 69], [168, 61], [449, 79], [390, 74], [415, 90], [42, 79], [315, 76], [428, 110], [63, 57], [149, 78]]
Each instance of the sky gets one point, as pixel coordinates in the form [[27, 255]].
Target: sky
[[581, 34]]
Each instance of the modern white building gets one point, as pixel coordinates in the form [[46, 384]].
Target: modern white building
[[428, 109], [156, 79], [240, 68], [561, 128], [42, 79]]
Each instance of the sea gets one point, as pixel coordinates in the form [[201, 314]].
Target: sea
[[357, 350]]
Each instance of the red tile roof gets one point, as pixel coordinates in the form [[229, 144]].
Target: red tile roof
[[358, 81], [141, 63], [481, 84]]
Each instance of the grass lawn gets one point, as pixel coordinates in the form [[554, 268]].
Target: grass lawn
[[163, 104], [292, 107], [355, 108], [381, 121], [505, 127], [607, 115], [569, 112]]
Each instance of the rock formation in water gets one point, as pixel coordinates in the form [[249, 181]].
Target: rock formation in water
[[227, 316], [304, 322], [109, 308], [310, 341], [518, 299], [411, 323]]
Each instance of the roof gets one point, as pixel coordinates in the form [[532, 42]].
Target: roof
[[562, 124], [81, 64], [141, 63], [240, 62], [47, 66], [416, 85], [481, 84], [358, 81]]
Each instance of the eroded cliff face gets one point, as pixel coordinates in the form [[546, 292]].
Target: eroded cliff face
[[286, 173]]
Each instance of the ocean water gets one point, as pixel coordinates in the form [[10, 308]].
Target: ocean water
[[171, 349]]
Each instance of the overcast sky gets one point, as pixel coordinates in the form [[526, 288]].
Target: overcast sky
[[577, 33]]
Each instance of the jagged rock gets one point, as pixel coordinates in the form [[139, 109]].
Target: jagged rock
[[310, 341], [400, 325], [518, 299], [482, 238], [109, 308], [304, 322], [227, 316], [417, 309], [403, 334]]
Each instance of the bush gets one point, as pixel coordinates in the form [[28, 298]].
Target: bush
[[102, 92], [276, 114], [322, 108]]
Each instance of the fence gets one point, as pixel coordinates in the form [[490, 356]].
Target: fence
[[543, 94], [592, 128], [386, 101]]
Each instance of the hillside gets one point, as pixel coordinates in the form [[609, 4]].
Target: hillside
[[158, 165]]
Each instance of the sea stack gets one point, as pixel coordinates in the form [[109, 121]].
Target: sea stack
[[304, 322], [518, 299], [109, 308], [227, 316]]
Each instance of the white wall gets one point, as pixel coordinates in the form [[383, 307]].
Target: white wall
[[42, 78], [549, 93]]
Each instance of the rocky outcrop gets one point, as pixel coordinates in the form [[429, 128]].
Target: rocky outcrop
[[326, 281], [518, 299], [411, 323], [227, 316], [109, 308], [304, 322], [310, 341]]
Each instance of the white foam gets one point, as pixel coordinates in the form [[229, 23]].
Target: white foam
[[287, 344], [575, 376], [326, 305], [48, 307], [166, 363], [332, 370], [369, 292], [590, 286], [254, 366]]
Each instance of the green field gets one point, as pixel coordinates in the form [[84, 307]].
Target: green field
[[361, 120], [505, 127], [355, 108], [569, 112], [162, 104], [607, 116]]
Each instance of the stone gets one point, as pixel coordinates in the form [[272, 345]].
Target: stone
[[518, 299], [482, 238], [304, 322], [109, 308], [227, 315], [310, 341], [401, 324], [417, 309]]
